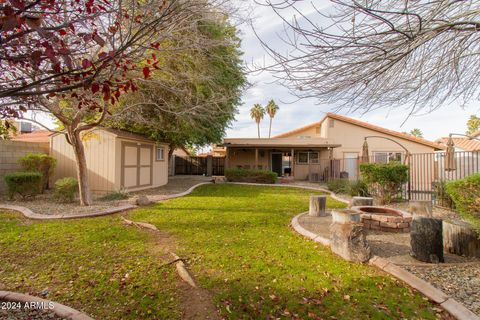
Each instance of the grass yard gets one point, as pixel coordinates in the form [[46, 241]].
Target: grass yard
[[238, 245]]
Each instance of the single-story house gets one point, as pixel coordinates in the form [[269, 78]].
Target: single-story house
[[330, 147], [115, 160]]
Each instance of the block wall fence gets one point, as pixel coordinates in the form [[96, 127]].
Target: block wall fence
[[11, 151]]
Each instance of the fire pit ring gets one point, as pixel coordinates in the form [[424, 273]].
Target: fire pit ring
[[384, 219]]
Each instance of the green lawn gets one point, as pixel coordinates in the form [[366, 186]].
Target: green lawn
[[238, 245]]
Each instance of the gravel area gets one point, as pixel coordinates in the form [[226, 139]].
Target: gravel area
[[7, 313], [462, 282], [43, 204]]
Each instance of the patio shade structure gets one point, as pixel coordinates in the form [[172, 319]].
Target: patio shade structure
[[450, 163], [365, 157], [407, 153]]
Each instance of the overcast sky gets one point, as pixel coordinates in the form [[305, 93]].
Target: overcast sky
[[293, 114]]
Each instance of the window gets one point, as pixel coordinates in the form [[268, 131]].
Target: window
[[303, 157], [386, 157], [160, 154], [313, 157], [307, 157]]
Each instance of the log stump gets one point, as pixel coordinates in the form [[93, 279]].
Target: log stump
[[318, 206], [459, 238], [349, 241], [361, 201], [426, 239], [345, 216], [421, 208]]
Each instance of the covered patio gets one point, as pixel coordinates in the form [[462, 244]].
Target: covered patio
[[288, 157]]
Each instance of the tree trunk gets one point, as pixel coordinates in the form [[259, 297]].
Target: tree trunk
[[460, 239], [82, 172], [258, 129], [270, 128], [426, 239], [318, 205]]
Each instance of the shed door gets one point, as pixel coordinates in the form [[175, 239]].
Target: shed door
[[137, 162]]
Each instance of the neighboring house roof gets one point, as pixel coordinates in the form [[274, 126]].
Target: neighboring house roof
[[35, 136], [278, 142], [122, 134], [364, 125], [461, 143]]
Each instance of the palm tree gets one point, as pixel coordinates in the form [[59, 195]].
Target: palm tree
[[271, 109], [257, 112], [416, 133]]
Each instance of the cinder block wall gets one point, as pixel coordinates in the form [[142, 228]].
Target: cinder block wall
[[11, 151]]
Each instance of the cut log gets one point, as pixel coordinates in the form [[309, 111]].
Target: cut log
[[343, 216], [420, 207], [426, 239], [361, 201], [318, 205], [459, 238], [349, 241]]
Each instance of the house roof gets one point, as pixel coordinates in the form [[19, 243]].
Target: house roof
[[462, 143], [364, 125], [279, 142], [35, 136]]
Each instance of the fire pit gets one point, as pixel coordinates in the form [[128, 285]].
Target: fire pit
[[384, 219]]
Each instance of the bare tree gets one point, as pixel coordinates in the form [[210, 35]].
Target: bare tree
[[371, 53]]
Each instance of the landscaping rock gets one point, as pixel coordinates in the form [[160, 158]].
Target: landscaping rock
[[142, 200], [361, 201], [349, 241], [219, 179], [426, 239]]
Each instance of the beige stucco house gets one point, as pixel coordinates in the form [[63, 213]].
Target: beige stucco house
[[330, 147], [115, 160]]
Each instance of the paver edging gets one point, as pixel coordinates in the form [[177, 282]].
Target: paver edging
[[36, 216], [455, 308], [59, 309]]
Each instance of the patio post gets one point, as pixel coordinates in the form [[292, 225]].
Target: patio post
[[256, 158], [225, 165], [292, 173]]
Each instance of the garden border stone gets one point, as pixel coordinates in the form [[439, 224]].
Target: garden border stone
[[35, 216], [59, 309]]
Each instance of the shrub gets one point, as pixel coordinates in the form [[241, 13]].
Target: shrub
[[358, 188], [251, 175], [116, 195], [465, 194], [65, 189], [385, 178], [26, 184], [39, 162], [352, 188], [339, 185]]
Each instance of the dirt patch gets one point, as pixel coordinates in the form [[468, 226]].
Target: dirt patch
[[196, 303]]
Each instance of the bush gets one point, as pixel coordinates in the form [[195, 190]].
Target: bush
[[352, 188], [26, 184], [39, 162], [385, 178], [116, 195], [358, 188], [339, 185], [465, 194], [65, 189], [251, 175]]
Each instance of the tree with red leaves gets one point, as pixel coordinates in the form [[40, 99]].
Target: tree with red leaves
[[74, 59]]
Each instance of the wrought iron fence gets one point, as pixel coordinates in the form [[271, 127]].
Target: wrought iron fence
[[198, 165]]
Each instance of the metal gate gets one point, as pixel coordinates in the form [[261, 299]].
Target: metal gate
[[428, 175], [199, 165]]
